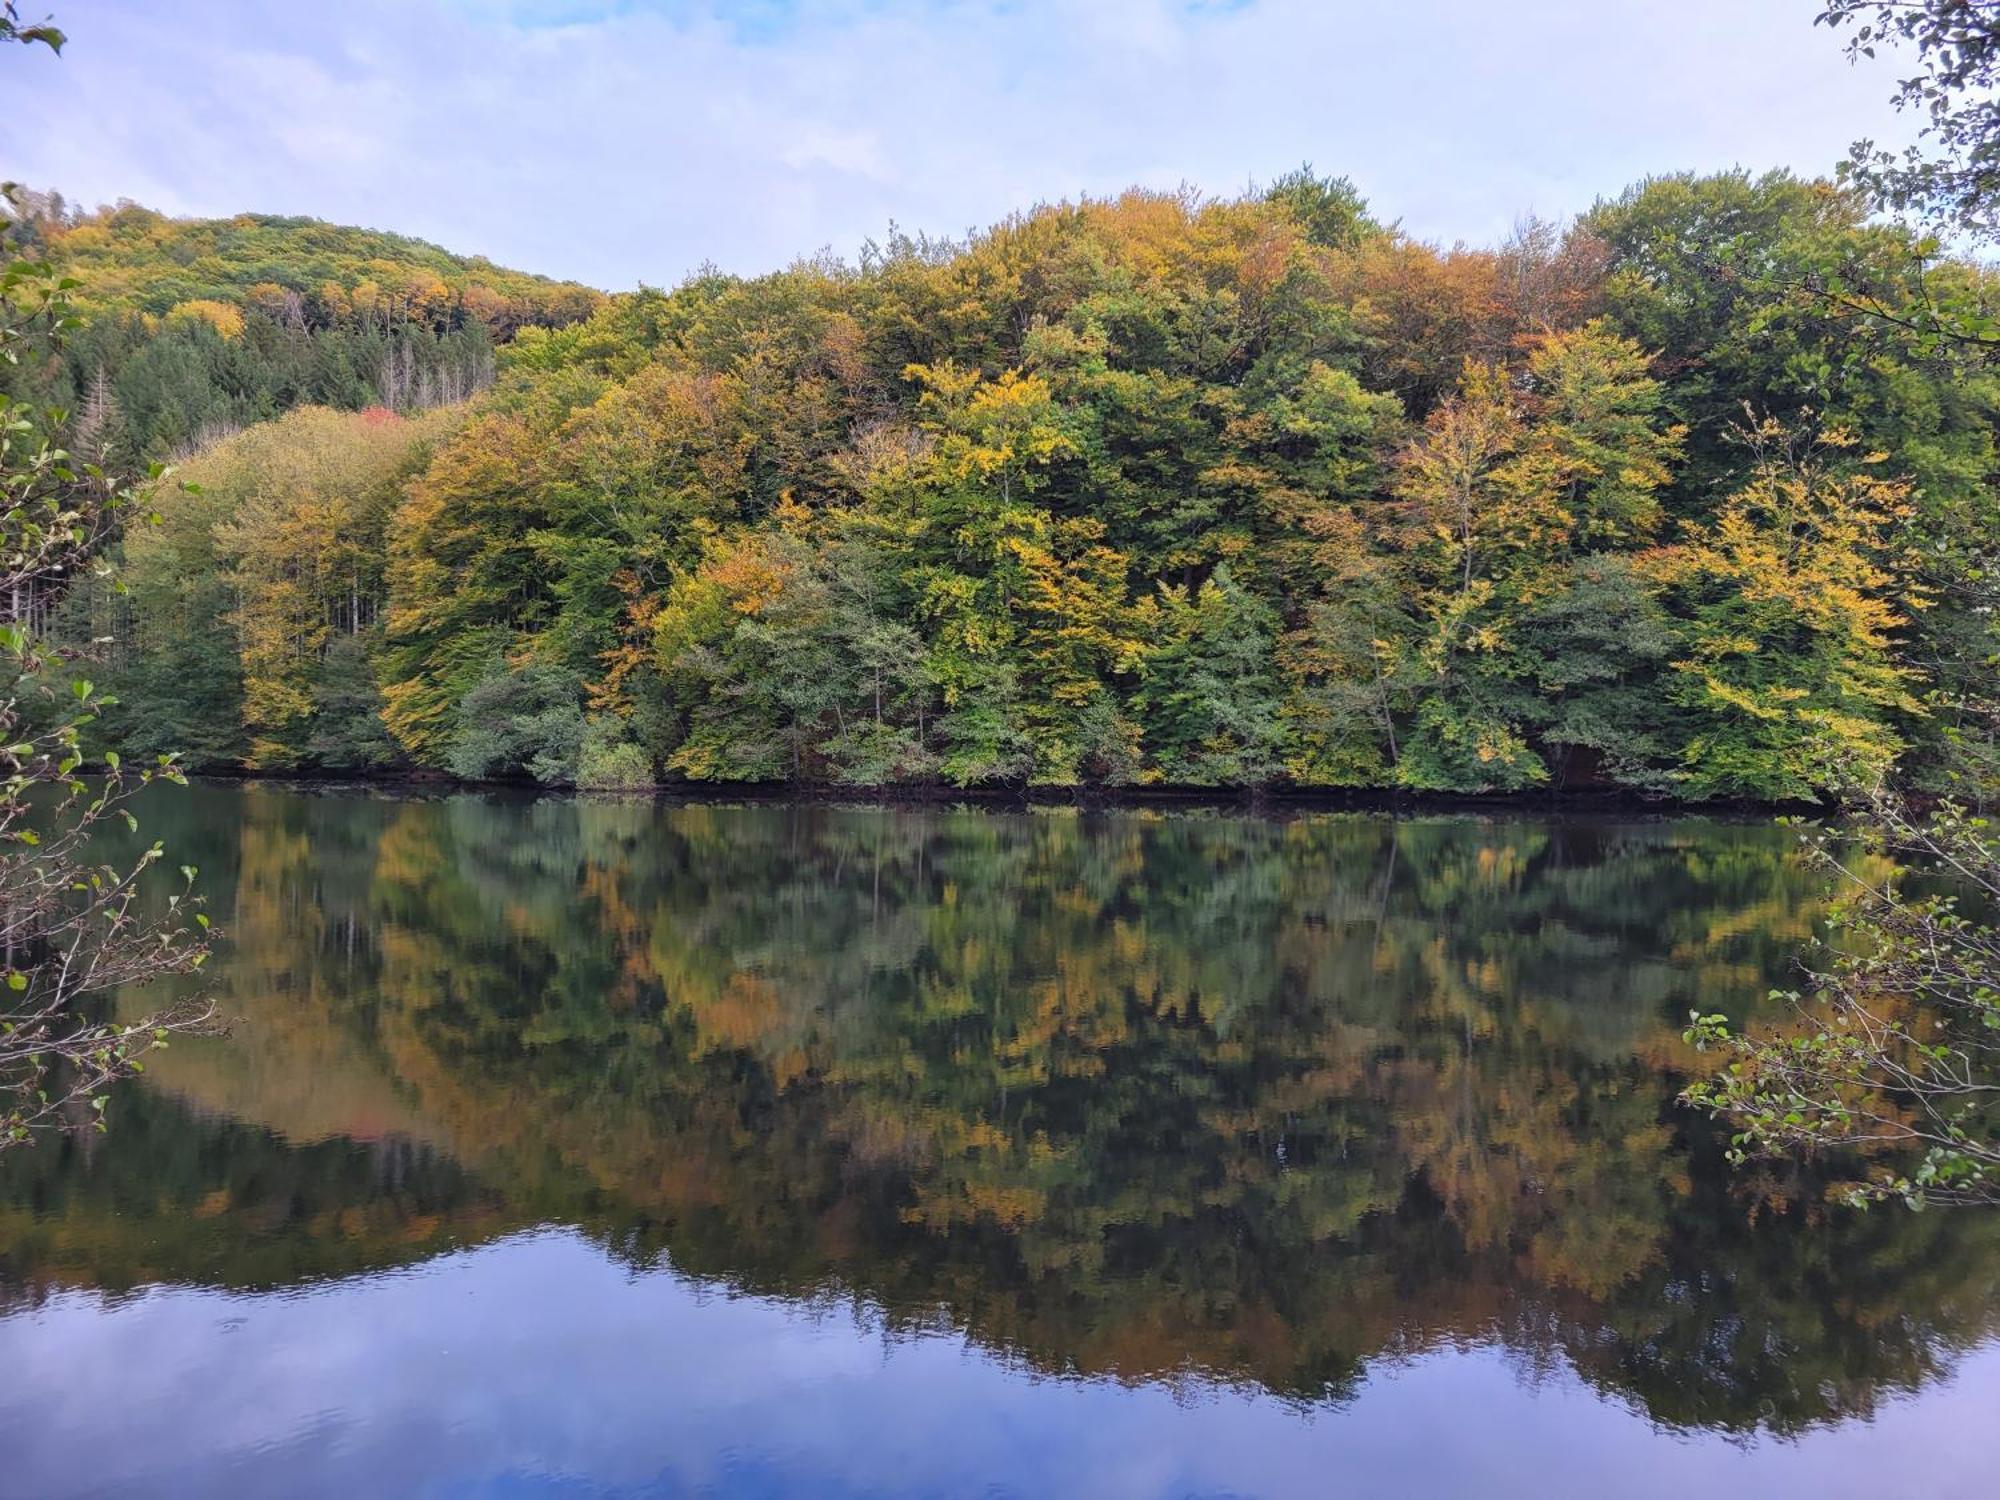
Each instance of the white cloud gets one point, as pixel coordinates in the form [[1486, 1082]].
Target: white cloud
[[621, 142]]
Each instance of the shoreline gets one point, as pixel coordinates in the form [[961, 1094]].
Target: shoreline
[[1268, 801]]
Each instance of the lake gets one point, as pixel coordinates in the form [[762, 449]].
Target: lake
[[573, 1147]]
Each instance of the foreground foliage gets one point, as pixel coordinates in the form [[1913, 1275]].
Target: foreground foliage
[[1897, 1042], [76, 927], [1948, 175]]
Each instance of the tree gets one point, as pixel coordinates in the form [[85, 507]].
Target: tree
[[1329, 209], [748, 640], [177, 669], [463, 571], [1351, 665], [884, 735], [1209, 699], [346, 712], [305, 507], [520, 720], [1468, 530], [994, 571], [1511, 487], [1789, 603]]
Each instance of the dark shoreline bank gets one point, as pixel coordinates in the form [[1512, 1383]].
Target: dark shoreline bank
[[1254, 801]]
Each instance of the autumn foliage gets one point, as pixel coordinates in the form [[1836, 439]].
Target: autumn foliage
[[1155, 490]]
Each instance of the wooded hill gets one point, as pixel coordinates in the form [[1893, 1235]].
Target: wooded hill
[[1690, 496], [195, 327]]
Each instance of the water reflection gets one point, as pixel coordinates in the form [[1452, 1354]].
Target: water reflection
[[1191, 1100]]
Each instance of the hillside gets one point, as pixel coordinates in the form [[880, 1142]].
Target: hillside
[[132, 259], [195, 328]]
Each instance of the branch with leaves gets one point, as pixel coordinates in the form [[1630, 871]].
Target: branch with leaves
[[1894, 1051], [78, 927], [14, 29], [75, 928], [1950, 177]]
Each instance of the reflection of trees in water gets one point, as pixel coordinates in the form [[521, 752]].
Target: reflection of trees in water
[[177, 1194], [1130, 1094]]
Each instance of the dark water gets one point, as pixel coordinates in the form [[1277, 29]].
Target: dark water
[[602, 1149]]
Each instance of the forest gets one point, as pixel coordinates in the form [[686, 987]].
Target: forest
[[192, 329], [1692, 497]]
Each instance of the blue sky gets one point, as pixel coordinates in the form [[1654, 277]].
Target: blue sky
[[618, 141]]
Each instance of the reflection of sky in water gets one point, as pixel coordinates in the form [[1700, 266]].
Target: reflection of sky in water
[[538, 1366]]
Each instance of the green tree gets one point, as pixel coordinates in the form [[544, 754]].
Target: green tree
[[1509, 487], [520, 721], [1210, 699]]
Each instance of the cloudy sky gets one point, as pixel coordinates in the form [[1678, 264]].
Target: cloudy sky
[[618, 141]]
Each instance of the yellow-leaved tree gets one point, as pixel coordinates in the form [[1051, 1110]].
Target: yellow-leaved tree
[[1790, 600], [303, 504]]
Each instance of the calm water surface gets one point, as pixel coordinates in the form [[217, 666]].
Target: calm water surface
[[580, 1148]]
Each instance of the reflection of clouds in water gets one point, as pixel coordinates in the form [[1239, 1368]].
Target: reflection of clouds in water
[[539, 1364], [1197, 1097], [1119, 1094]]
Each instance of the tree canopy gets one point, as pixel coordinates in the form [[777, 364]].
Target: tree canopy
[[194, 328], [1151, 490]]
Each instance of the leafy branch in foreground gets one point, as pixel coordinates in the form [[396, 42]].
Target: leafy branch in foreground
[[76, 928], [14, 29], [1952, 177], [1896, 1047], [75, 931]]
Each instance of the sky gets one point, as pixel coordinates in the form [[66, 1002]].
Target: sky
[[625, 141]]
